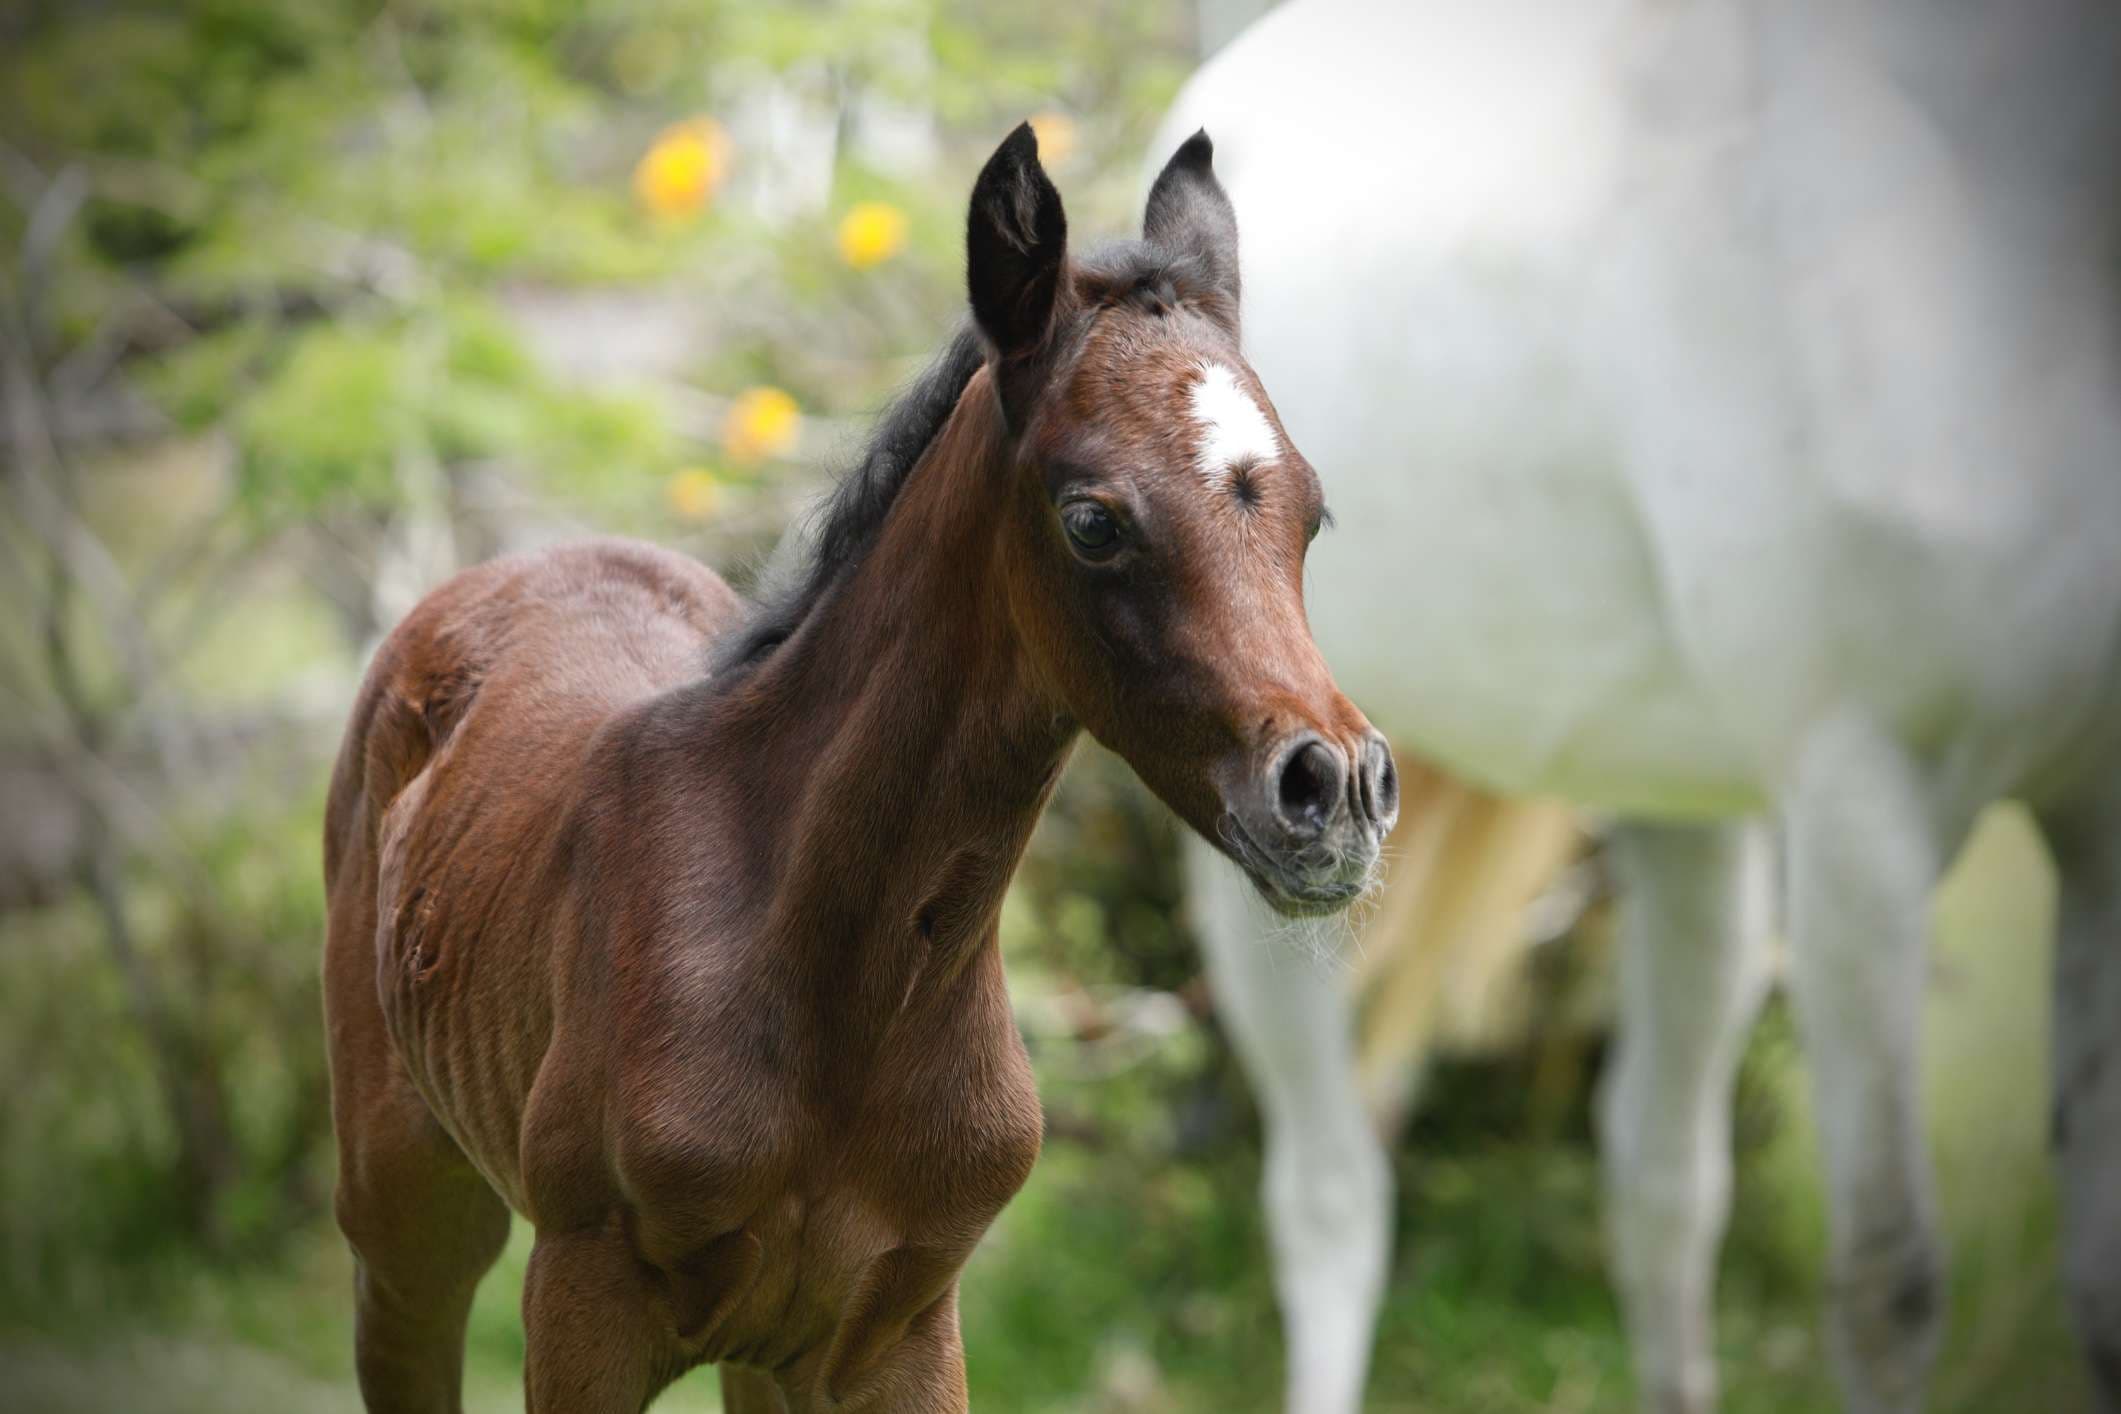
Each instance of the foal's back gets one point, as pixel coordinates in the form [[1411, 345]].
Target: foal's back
[[469, 755]]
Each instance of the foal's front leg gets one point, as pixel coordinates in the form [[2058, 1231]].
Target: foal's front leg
[[910, 1364], [749, 1391], [596, 1340]]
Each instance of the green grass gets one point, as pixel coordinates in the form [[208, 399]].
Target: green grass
[[1131, 1277]]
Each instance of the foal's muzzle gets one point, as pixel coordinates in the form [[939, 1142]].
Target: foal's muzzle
[[1310, 833]]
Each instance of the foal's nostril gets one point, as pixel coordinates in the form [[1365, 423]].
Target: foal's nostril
[[1309, 787], [1380, 783]]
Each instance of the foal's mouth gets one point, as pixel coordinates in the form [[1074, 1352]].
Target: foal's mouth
[[1311, 882]]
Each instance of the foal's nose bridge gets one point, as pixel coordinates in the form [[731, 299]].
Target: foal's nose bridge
[[1316, 783]]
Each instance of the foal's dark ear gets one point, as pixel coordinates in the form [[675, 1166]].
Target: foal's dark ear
[[1016, 245], [1190, 217]]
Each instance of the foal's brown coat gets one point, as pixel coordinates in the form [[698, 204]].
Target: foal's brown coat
[[698, 971]]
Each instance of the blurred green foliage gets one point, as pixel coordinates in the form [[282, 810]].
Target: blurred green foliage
[[85, 1153], [329, 202]]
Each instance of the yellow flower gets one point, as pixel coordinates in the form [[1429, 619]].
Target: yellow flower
[[694, 493], [681, 170], [1056, 136], [871, 233], [762, 422]]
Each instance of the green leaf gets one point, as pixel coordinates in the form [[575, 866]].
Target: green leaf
[[327, 426]]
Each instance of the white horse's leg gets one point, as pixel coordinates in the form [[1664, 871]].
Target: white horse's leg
[[1328, 1186], [1865, 850], [1693, 969], [2087, 1078]]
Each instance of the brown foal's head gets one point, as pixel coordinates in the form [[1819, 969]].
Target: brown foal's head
[[1156, 541]]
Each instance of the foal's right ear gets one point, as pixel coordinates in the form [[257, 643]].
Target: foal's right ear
[[1016, 245], [1189, 215]]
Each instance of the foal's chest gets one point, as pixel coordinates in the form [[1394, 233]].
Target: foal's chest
[[865, 1234]]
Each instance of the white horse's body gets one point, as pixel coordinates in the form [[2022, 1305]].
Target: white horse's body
[[1656, 422], [1720, 406]]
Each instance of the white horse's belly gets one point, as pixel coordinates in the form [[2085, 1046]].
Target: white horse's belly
[[1526, 584]]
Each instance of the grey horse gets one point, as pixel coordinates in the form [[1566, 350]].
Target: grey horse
[[1721, 403]]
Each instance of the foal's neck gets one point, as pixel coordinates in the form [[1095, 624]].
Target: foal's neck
[[911, 743]]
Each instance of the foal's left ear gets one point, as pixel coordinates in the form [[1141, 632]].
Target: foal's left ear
[[1190, 217], [1016, 246]]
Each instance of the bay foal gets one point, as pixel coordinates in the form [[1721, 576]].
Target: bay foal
[[673, 927]]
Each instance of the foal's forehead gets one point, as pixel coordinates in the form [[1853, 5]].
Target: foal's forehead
[[1185, 404], [1232, 430]]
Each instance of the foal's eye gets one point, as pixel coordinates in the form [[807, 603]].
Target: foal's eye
[[1091, 529]]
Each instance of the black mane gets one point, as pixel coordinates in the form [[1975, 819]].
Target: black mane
[[846, 525]]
